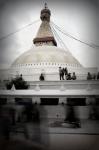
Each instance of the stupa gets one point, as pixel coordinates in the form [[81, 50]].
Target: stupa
[[46, 57]]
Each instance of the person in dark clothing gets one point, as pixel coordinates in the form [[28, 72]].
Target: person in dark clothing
[[28, 112], [60, 73], [71, 115], [69, 76], [5, 124], [12, 113], [41, 78], [36, 114], [89, 76], [98, 76], [74, 76], [63, 72], [66, 72]]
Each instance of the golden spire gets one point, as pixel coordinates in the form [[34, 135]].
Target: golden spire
[[45, 35]]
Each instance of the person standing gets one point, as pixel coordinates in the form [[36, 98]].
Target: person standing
[[41, 78], [5, 123], [89, 76], [65, 72], [60, 73], [98, 76]]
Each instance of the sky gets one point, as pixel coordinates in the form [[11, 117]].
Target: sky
[[76, 17]]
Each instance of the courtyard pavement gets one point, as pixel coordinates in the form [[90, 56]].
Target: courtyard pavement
[[57, 126], [46, 136]]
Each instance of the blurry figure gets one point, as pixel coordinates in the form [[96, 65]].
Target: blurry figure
[[66, 72], [41, 78], [63, 73], [28, 110], [21, 76], [89, 76], [74, 76], [39, 128], [69, 76], [5, 123], [98, 76], [72, 116], [36, 113], [12, 113], [20, 113], [36, 125], [44, 126], [92, 109], [60, 73]]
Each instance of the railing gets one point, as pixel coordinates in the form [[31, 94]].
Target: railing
[[49, 77]]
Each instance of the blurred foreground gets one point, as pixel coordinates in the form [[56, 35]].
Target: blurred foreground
[[24, 128]]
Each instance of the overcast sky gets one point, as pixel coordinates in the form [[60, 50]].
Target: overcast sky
[[77, 17]]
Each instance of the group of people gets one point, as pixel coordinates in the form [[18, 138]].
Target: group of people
[[92, 76], [65, 75]]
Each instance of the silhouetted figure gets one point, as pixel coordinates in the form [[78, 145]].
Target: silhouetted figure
[[20, 113], [93, 110], [44, 125], [36, 113], [28, 112], [63, 73], [71, 116], [21, 76], [69, 76], [66, 72], [74, 76], [98, 76], [12, 113], [41, 78], [60, 73], [89, 76], [36, 128], [5, 123]]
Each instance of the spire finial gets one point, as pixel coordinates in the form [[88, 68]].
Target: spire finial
[[45, 5], [45, 13]]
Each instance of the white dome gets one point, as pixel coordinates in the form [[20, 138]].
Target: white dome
[[46, 54]]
